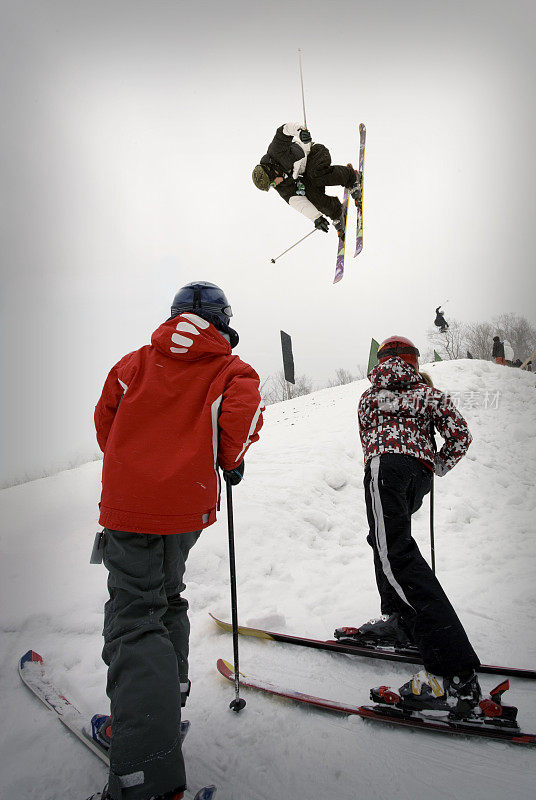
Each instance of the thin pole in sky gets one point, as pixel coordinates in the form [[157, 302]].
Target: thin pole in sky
[[302, 94]]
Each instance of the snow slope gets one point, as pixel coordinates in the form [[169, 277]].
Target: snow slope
[[303, 567]]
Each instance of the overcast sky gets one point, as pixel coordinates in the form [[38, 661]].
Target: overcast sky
[[128, 134]]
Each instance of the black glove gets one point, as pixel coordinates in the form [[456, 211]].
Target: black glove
[[305, 136], [234, 476], [322, 224]]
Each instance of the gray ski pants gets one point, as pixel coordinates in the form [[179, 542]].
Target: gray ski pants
[[146, 631]]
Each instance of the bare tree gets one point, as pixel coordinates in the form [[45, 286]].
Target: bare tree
[[518, 331], [276, 388], [344, 376], [479, 337], [452, 343]]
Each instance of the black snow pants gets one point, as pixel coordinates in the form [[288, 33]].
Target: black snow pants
[[395, 485], [320, 173], [146, 633]]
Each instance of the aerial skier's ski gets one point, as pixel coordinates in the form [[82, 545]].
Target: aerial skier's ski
[[359, 225], [341, 243], [405, 655], [487, 727], [32, 671]]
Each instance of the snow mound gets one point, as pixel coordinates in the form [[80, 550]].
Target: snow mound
[[304, 567]]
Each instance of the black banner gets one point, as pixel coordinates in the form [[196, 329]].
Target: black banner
[[288, 358]]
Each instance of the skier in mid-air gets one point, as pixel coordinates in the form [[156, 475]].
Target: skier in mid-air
[[440, 321], [396, 415], [170, 414], [299, 170]]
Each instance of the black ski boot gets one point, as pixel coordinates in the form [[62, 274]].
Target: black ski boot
[[357, 189], [340, 223], [384, 631]]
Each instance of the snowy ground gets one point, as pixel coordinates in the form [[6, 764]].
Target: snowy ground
[[303, 567]]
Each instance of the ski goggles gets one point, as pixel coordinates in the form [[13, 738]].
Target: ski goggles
[[214, 308]]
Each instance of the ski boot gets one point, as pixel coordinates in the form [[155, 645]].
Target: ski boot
[[357, 189], [340, 223], [458, 700], [101, 730], [458, 696], [101, 795], [385, 631], [167, 796]]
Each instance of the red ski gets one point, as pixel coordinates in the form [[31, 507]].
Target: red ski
[[383, 653], [487, 728]]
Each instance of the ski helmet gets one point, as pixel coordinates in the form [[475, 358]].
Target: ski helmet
[[204, 297], [401, 347], [261, 179]]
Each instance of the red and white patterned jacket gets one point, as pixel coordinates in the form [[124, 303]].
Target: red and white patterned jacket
[[169, 413], [396, 413]]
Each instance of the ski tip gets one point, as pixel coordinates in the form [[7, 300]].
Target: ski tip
[[225, 668], [206, 793], [31, 655]]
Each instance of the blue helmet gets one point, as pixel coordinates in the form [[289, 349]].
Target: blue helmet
[[206, 299]]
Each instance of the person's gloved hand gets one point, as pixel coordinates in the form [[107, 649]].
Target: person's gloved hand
[[305, 136], [300, 188], [234, 476], [439, 466], [322, 224]]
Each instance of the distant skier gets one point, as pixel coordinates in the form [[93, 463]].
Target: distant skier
[[170, 413], [299, 170], [497, 351], [396, 415], [440, 321]]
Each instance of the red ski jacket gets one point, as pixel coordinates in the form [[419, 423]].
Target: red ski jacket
[[396, 413], [169, 414]]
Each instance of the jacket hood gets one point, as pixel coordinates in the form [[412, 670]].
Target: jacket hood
[[188, 337], [394, 372]]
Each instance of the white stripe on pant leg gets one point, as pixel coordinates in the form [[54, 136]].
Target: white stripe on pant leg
[[381, 536]]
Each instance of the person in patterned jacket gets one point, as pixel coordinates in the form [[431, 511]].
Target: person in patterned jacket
[[397, 416]]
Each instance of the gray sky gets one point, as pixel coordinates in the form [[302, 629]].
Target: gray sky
[[128, 134]]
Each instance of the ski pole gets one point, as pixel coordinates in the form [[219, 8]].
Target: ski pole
[[302, 94], [432, 542], [273, 260], [238, 703]]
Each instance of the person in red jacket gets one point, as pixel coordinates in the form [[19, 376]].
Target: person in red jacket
[[397, 416], [170, 415]]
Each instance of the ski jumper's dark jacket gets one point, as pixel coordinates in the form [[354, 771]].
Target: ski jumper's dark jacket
[[306, 170], [440, 319], [171, 413], [498, 349], [396, 412], [287, 158]]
